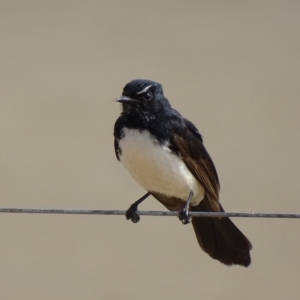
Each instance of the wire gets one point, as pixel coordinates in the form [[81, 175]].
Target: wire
[[148, 213]]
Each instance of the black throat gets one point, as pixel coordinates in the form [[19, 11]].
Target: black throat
[[161, 126]]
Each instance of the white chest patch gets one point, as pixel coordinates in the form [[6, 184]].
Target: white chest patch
[[156, 168]]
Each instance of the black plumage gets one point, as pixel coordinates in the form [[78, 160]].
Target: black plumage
[[146, 109]]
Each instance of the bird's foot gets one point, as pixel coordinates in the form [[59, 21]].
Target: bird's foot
[[184, 216], [132, 213]]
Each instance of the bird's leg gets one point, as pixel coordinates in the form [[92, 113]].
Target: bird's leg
[[184, 216], [131, 213]]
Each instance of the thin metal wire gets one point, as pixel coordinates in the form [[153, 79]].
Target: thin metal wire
[[148, 213]]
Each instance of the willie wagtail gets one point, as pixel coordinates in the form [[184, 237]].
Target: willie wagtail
[[164, 153]]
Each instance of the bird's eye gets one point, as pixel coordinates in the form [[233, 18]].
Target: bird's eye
[[148, 96]]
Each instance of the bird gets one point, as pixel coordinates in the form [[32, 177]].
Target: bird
[[165, 154]]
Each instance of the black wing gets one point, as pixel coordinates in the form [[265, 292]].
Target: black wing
[[118, 136], [189, 143]]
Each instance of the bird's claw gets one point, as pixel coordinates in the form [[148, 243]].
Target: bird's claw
[[184, 216], [132, 213]]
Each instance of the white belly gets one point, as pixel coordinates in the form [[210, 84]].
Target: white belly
[[156, 168]]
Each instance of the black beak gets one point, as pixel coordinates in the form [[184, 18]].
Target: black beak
[[125, 99]]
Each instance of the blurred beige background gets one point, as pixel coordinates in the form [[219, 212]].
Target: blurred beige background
[[232, 67]]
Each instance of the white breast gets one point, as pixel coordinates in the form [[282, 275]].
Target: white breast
[[156, 168]]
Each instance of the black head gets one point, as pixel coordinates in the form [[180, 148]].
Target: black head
[[143, 96]]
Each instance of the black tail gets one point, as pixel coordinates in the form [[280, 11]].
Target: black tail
[[221, 239]]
